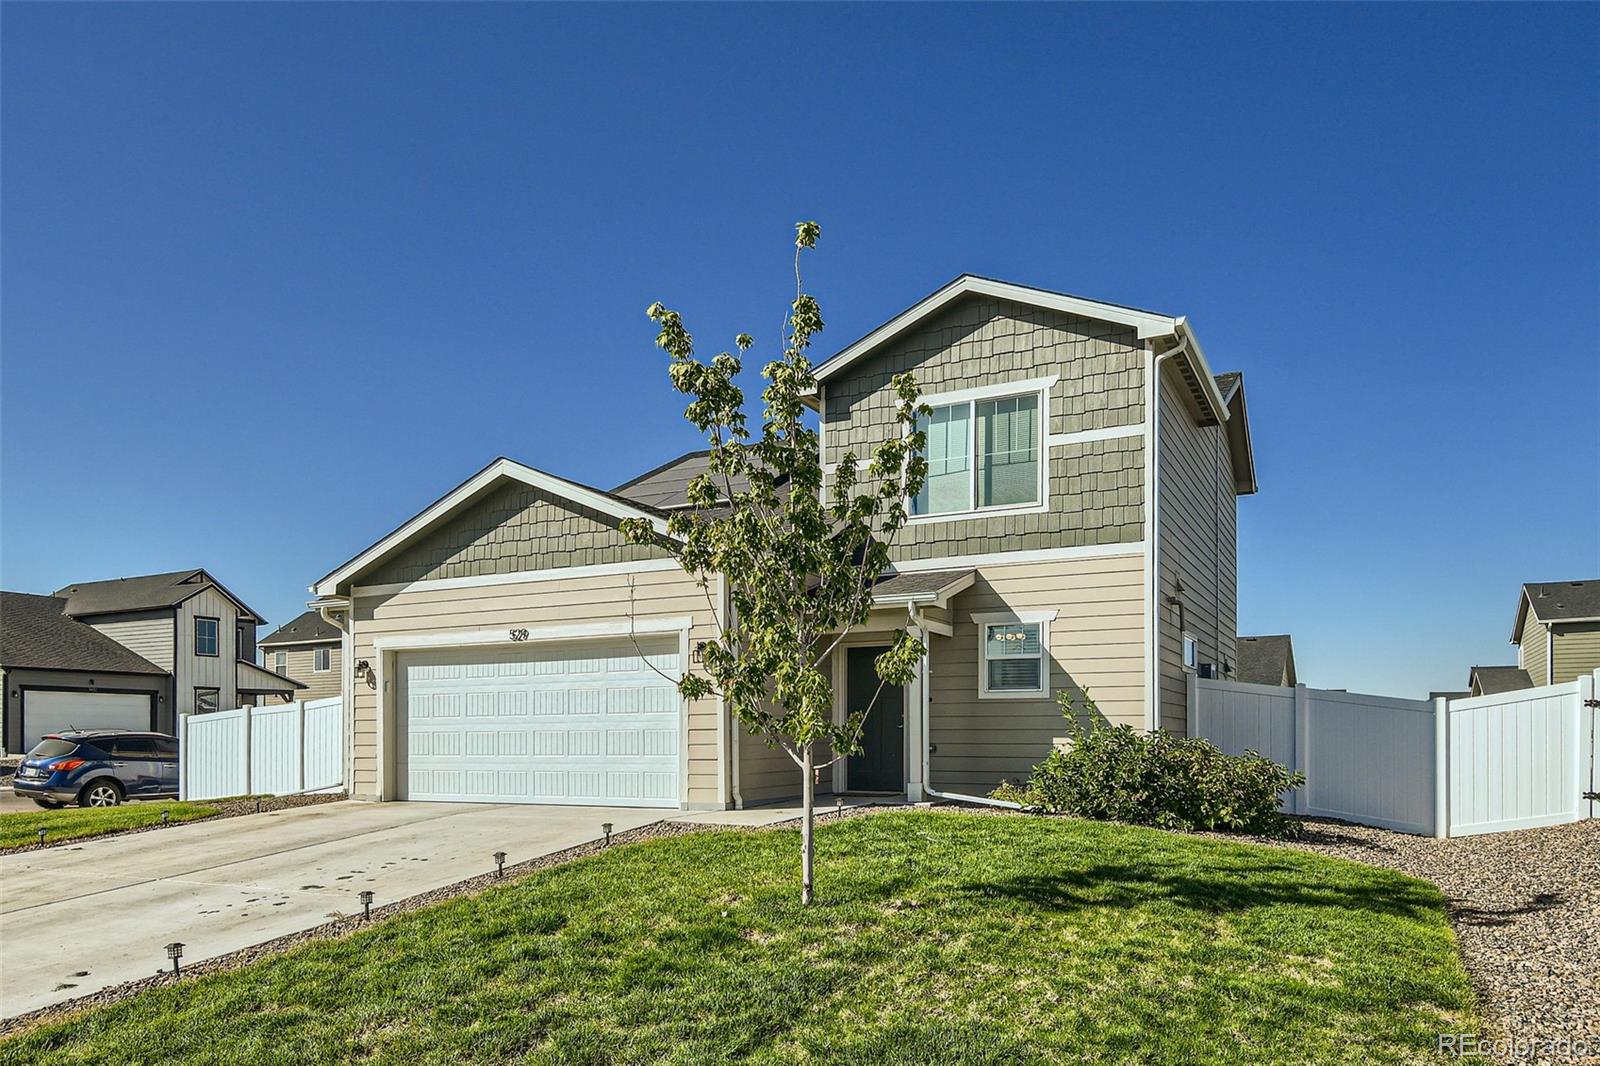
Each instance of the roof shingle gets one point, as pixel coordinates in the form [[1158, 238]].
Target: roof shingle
[[35, 631]]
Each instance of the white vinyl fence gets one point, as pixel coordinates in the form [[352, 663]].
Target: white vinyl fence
[[1445, 768], [254, 751]]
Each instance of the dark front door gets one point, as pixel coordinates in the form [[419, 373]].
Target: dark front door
[[880, 767]]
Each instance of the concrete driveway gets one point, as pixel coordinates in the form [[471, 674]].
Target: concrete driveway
[[80, 918]]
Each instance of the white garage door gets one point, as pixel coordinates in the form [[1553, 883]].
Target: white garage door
[[52, 712], [587, 722]]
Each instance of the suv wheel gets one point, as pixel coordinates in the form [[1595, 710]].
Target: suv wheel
[[102, 793]]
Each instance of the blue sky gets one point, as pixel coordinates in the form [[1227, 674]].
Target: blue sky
[[329, 260]]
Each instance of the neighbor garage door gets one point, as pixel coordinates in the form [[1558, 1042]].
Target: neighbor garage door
[[51, 712], [587, 722]]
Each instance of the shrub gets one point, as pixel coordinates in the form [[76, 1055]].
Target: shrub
[[1119, 774]]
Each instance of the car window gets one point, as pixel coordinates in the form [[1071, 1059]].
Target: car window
[[50, 749], [165, 748], [128, 747]]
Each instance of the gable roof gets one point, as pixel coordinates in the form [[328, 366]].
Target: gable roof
[[1146, 324], [307, 628], [1488, 680], [498, 471], [1266, 660], [37, 632], [1558, 601], [143, 593], [666, 487]]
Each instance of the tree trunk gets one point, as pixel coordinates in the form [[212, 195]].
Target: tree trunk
[[808, 844]]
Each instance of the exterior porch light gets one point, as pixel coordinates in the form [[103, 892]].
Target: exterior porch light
[[606, 828], [499, 864], [365, 896], [175, 952]]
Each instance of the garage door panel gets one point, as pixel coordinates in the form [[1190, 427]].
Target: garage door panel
[[570, 723], [45, 711]]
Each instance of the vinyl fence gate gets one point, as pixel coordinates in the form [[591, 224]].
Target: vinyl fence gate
[[1488, 764]]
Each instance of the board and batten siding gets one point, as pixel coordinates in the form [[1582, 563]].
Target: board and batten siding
[[1577, 651], [1533, 650], [534, 605], [1096, 487], [149, 634], [1096, 644], [1198, 532], [512, 528], [300, 664], [206, 671]]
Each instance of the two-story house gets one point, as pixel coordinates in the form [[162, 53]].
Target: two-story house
[[1077, 532], [307, 650], [188, 647], [1557, 630]]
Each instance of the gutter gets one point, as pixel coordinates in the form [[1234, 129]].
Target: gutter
[[925, 669], [1153, 496]]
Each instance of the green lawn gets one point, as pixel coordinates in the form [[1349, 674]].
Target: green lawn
[[73, 823], [939, 938]]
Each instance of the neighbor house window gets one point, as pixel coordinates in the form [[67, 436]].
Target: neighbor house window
[[1014, 654], [1191, 653], [322, 660], [982, 455], [207, 700], [280, 662], [205, 636]]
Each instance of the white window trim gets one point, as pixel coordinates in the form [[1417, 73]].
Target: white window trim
[[1042, 619], [1190, 653], [280, 663], [1039, 387], [327, 655]]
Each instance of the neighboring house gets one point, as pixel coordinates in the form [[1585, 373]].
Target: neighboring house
[[307, 650], [508, 644], [1267, 661], [1557, 630], [185, 625], [1490, 680]]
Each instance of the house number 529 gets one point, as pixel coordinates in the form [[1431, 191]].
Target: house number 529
[[519, 634]]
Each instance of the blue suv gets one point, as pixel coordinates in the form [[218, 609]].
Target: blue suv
[[98, 768]]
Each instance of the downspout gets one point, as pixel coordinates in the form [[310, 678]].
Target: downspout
[[1153, 497], [347, 685], [925, 672]]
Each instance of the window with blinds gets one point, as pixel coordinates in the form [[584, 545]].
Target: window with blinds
[[1013, 657], [981, 455]]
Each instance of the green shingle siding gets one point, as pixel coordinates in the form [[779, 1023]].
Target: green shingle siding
[[1096, 488], [513, 529]]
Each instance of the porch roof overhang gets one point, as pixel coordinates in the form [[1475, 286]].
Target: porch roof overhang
[[921, 588], [248, 677]]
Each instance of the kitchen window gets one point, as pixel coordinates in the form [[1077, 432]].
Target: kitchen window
[[983, 455], [1014, 655], [205, 635]]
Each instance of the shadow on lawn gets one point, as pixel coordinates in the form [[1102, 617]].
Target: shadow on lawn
[[1229, 888]]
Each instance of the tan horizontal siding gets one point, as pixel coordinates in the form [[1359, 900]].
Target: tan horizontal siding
[[1096, 643], [300, 664], [1577, 651], [1533, 651], [533, 605]]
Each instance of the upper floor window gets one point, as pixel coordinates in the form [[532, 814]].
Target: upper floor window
[[205, 635], [280, 662], [322, 660], [983, 454]]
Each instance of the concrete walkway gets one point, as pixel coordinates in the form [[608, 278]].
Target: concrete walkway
[[80, 918]]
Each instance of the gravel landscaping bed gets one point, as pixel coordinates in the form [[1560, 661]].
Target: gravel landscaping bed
[[1526, 909]]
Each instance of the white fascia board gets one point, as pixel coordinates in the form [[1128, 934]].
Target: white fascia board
[[1145, 323], [1030, 555], [1202, 368], [579, 631], [500, 468], [941, 598], [997, 390]]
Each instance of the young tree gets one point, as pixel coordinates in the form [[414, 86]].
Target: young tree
[[798, 562]]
